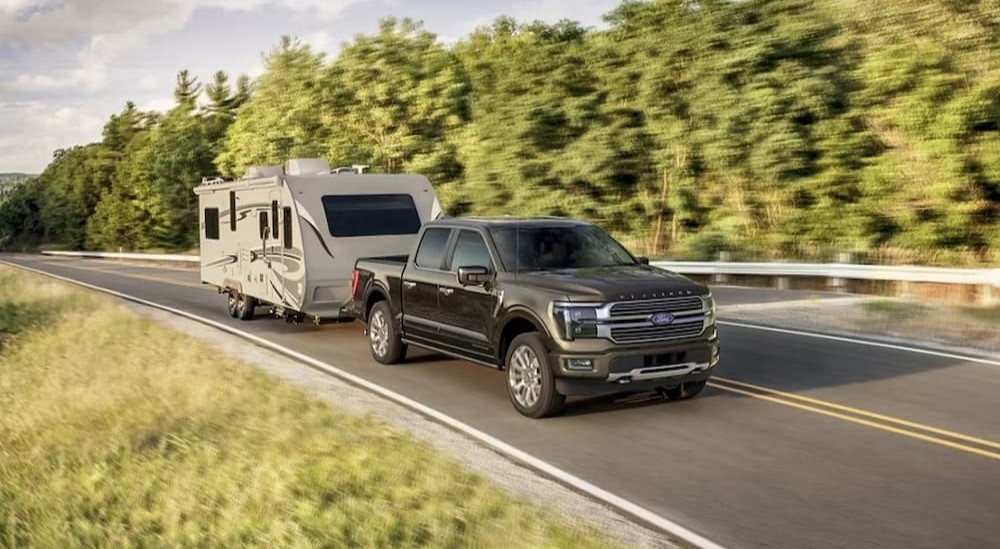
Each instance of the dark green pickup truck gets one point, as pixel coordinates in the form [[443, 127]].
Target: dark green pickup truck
[[557, 303]]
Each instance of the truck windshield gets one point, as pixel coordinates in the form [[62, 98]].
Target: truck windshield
[[527, 248]]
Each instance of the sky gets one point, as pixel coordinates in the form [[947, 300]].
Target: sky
[[67, 65]]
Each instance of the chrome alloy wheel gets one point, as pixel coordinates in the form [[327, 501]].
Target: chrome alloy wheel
[[378, 333], [525, 377]]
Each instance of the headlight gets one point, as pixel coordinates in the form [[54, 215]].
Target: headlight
[[710, 307], [575, 320]]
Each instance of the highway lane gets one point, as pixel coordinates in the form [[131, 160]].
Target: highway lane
[[744, 471]]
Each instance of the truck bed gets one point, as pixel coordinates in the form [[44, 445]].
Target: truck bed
[[386, 259]]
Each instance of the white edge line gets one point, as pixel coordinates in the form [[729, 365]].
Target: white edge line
[[860, 342], [544, 467]]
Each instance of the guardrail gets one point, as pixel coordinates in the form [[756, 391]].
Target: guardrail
[[936, 275], [113, 255], [836, 274]]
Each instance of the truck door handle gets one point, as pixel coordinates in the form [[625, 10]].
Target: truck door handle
[[446, 291], [409, 285]]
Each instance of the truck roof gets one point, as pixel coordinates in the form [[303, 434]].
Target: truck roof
[[510, 221]]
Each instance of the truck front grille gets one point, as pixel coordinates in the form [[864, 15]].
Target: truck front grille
[[653, 306], [636, 334]]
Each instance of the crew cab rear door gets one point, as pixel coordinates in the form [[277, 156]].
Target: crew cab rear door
[[421, 280], [466, 313]]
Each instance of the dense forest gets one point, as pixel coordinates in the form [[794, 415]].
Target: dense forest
[[774, 129]]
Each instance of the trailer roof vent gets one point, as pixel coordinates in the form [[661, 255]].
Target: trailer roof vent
[[307, 166], [256, 172]]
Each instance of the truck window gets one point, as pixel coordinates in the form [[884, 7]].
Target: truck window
[[212, 223], [430, 253], [286, 225], [470, 251], [232, 211], [262, 228], [371, 214]]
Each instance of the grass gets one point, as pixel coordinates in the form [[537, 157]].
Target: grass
[[896, 310], [117, 432], [978, 326]]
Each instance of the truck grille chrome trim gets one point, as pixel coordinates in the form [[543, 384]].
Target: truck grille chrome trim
[[647, 307], [658, 372]]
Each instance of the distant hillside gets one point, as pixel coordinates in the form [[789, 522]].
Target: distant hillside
[[10, 180]]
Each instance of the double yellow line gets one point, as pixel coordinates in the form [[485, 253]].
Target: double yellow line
[[918, 431]]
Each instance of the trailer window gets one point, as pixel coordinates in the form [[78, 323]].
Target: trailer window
[[212, 223], [286, 225], [232, 211], [263, 229], [274, 217], [371, 214]]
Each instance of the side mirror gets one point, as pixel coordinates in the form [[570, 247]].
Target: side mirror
[[643, 260], [476, 275]]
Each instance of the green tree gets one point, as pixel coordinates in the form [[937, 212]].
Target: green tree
[[393, 100], [282, 119]]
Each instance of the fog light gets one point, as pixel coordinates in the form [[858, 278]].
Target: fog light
[[579, 364]]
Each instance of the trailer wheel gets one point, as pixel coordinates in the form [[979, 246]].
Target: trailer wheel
[[245, 306], [232, 303], [384, 340]]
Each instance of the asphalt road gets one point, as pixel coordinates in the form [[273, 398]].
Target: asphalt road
[[800, 442]]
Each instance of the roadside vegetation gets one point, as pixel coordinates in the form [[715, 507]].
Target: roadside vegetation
[[117, 432], [772, 129]]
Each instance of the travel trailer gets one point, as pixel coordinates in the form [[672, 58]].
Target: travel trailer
[[287, 237]]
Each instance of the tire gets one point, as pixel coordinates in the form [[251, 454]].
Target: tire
[[684, 391], [232, 299], [530, 383], [384, 340], [245, 306]]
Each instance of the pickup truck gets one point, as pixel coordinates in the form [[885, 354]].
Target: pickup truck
[[557, 303]]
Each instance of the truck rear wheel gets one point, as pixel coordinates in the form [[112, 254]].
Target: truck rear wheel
[[232, 299], [245, 306], [530, 383], [384, 340]]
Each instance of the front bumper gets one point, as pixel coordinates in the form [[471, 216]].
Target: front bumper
[[637, 369]]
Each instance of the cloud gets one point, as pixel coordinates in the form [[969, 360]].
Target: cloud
[[33, 129], [105, 30]]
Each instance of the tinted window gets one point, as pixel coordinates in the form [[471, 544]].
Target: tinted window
[[470, 251], [212, 223], [430, 253], [527, 248], [371, 214], [262, 219], [286, 225], [232, 210], [274, 216]]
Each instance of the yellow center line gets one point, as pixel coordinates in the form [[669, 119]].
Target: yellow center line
[[138, 276], [859, 421], [865, 413]]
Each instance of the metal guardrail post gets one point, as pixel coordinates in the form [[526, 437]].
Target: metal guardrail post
[[722, 278]]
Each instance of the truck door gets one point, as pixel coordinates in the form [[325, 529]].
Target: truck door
[[419, 287], [466, 312]]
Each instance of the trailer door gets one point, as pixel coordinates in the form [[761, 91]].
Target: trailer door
[[276, 251]]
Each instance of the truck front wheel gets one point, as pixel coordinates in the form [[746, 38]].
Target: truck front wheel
[[530, 383], [384, 340]]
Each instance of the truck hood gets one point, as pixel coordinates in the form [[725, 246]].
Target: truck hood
[[613, 283]]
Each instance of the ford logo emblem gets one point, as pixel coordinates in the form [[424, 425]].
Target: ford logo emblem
[[661, 319]]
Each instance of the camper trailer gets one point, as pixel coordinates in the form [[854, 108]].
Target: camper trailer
[[286, 238]]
